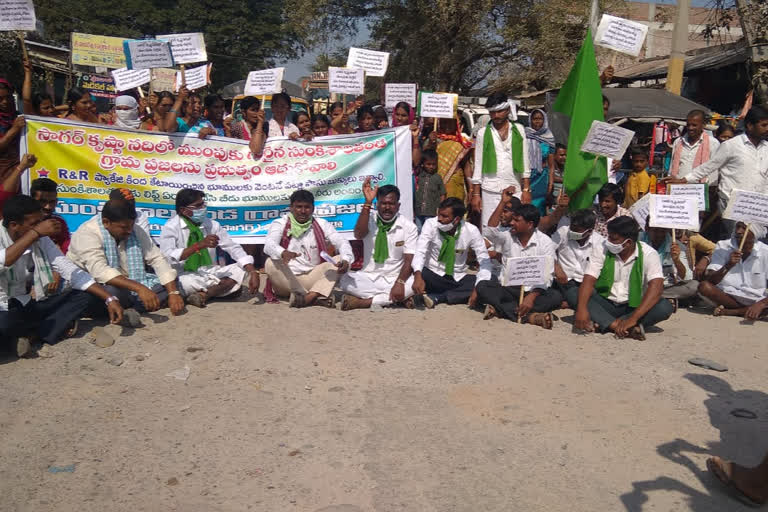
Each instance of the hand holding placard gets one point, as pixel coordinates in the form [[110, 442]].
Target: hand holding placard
[[679, 212], [607, 140]]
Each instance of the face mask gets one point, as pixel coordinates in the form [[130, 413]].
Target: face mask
[[504, 228], [575, 235], [393, 219], [614, 248], [445, 227], [127, 118], [198, 216]]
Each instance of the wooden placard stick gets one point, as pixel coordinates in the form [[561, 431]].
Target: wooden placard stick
[[522, 294], [183, 75], [141, 95], [435, 127], [674, 238], [23, 44], [744, 237]]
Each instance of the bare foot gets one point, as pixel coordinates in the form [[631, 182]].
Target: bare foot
[[747, 481], [541, 319]]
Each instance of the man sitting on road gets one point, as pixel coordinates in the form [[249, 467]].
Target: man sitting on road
[[389, 243], [622, 286], [575, 243], [296, 245], [43, 190]]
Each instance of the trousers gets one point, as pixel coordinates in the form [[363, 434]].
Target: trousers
[[604, 312], [506, 299], [48, 318], [447, 289]]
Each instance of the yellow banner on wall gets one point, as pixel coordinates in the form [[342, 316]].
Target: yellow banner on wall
[[93, 50]]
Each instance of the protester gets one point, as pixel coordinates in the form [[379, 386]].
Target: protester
[[37, 104], [389, 243], [252, 127], [44, 191], [541, 146], [279, 126], [380, 118], [735, 279], [296, 244], [453, 158], [124, 194], [193, 111], [610, 196], [521, 240], [213, 120], [9, 187], [340, 118], [501, 159], [622, 286], [127, 114], [750, 483], [81, 106], [574, 245], [189, 240], [694, 148], [724, 132], [403, 115], [320, 125], [28, 259], [162, 118], [440, 264], [639, 182], [365, 120], [430, 190], [679, 283], [557, 170], [699, 252], [11, 126], [115, 252], [304, 123]]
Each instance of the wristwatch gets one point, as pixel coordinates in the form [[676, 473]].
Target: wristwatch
[[110, 299], [400, 281], [174, 292]]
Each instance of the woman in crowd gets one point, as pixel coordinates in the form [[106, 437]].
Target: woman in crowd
[[724, 132], [402, 115], [453, 157], [279, 126], [11, 126], [213, 120], [380, 118], [541, 145], [303, 122], [192, 113], [127, 113], [160, 117], [81, 106], [340, 118], [320, 125], [37, 104], [365, 119], [253, 126]]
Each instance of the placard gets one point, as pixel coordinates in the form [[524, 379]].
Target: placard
[[641, 209], [163, 79], [265, 81], [196, 78], [147, 53], [527, 271], [747, 207], [186, 48], [346, 80], [17, 15], [679, 212], [93, 50], [99, 86], [440, 105], [607, 140], [395, 93], [621, 35], [698, 190], [126, 79], [374, 63]]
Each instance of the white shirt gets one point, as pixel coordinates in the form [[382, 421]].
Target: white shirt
[[688, 154], [142, 220], [571, 255], [622, 269], [288, 128], [748, 277], [80, 279], [402, 239], [175, 233], [305, 246], [428, 250], [510, 247], [505, 175], [741, 165]]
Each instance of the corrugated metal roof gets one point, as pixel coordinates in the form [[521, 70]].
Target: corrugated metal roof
[[713, 57]]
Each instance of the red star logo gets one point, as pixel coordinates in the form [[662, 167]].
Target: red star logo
[[43, 173]]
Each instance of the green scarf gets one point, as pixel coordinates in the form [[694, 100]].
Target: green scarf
[[448, 250], [604, 283], [380, 246], [489, 151], [201, 258], [298, 229]]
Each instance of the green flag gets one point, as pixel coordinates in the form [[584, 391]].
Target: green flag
[[581, 99]]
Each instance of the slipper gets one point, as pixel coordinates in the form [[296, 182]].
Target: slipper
[[297, 300], [637, 333], [328, 302], [408, 303], [72, 330], [708, 364], [714, 465], [490, 312]]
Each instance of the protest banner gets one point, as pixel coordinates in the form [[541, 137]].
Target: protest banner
[[674, 212], [346, 80], [99, 86], [395, 93], [186, 48], [126, 79], [747, 207], [700, 191], [374, 63], [196, 78], [163, 79], [605, 139], [641, 209], [17, 15], [147, 53], [265, 81], [438, 105], [621, 35], [101, 51], [243, 194]]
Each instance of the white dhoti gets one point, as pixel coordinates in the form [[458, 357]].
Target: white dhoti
[[205, 277], [367, 285]]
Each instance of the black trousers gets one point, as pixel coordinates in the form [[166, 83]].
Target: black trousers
[[127, 300], [506, 299], [447, 289], [570, 291], [49, 318]]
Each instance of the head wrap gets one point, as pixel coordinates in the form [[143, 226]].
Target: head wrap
[[411, 115], [127, 118], [538, 137]]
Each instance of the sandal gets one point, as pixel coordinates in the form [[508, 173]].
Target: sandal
[[328, 302], [490, 312], [715, 466], [72, 329], [297, 300], [541, 319]]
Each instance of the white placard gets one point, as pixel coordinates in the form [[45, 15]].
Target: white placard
[[621, 35], [679, 212], [346, 80], [126, 79], [17, 15], [528, 271], [196, 78], [699, 191], [747, 207], [440, 105], [395, 93], [147, 54], [374, 63], [641, 209], [607, 140], [265, 81], [187, 48]]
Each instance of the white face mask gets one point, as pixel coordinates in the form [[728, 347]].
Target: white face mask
[[127, 118], [393, 219], [445, 227], [614, 248], [575, 235]]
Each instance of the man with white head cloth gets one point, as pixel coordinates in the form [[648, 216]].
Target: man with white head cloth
[[127, 112], [501, 159]]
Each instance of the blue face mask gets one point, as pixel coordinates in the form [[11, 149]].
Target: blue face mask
[[198, 216]]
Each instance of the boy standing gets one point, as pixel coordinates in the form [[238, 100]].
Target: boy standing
[[430, 189], [639, 181]]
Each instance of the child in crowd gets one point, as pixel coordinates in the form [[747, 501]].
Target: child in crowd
[[639, 182], [430, 189]]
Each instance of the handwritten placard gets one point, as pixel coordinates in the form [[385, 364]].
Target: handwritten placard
[[346, 80], [641, 209], [196, 78], [700, 191], [607, 140], [679, 212], [395, 93], [187, 48], [163, 79], [265, 81], [747, 207], [374, 63], [621, 35], [440, 105], [17, 15], [126, 79], [527, 271], [147, 54]]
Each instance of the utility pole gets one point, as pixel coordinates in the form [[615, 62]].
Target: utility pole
[[751, 21], [679, 46]]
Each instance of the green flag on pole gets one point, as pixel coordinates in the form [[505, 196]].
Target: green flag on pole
[[581, 99]]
